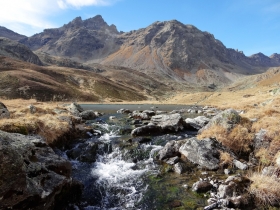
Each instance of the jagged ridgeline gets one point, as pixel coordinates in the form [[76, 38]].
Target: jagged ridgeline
[[168, 48]]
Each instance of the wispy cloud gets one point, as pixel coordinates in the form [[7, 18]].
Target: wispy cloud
[[63, 4], [31, 16]]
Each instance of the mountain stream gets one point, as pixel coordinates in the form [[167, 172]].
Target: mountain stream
[[118, 172]]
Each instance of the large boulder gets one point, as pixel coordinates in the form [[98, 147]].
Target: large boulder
[[196, 123], [169, 123], [32, 176], [202, 152], [4, 112], [227, 119], [146, 130]]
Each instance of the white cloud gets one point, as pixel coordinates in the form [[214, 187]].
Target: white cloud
[[63, 4], [31, 16]]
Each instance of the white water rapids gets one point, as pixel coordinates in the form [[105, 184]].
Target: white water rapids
[[120, 182]]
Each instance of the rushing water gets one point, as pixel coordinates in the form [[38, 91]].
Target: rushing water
[[124, 173]]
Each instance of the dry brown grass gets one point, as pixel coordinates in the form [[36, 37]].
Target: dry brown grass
[[225, 158], [265, 158], [44, 122], [238, 139], [266, 189]]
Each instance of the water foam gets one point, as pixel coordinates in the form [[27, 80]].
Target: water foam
[[119, 181]]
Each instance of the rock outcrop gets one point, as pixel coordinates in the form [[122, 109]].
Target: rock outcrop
[[32, 176], [169, 123]]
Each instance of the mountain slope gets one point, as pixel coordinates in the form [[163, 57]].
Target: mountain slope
[[183, 51], [20, 79], [15, 50], [7, 33]]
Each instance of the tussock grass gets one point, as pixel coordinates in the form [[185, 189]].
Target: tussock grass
[[43, 122], [265, 158], [239, 139], [225, 158], [266, 189]]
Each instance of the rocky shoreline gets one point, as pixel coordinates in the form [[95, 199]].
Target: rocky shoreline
[[33, 176]]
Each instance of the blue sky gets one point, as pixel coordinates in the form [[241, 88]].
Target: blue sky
[[249, 25]]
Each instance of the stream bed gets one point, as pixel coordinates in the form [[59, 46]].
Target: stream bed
[[121, 172]]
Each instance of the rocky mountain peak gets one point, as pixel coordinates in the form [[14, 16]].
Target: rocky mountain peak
[[94, 23]]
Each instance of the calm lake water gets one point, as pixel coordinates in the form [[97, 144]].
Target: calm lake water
[[112, 108]]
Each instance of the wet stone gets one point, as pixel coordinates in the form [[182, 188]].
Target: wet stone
[[173, 160]]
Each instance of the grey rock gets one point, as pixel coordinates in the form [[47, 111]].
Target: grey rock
[[169, 123], [197, 123], [84, 152], [60, 111], [225, 191], [179, 168], [146, 130], [173, 160], [171, 149], [269, 170], [160, 112], [32, 108], [227, 171], [124, 111], [259, 140], [201, 187], [4, 112], [88, 115], [240, 165], [227, 119], [140, 115], [31, 171], [202, 152]]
